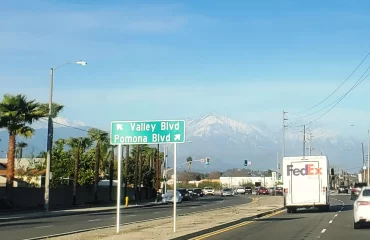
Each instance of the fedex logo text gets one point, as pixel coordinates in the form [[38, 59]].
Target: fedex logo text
[[307, 170]]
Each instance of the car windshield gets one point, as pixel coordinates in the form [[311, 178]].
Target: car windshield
[[248, 188], [227, 189], [279, 188], [182, 190], [197, 190], [208, 188], [366, 193]]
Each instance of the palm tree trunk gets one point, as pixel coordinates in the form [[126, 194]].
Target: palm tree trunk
[[136, 169], [126, 170], [20, 153], [97, 164], [75, 177], [111, 172], [10, 165]]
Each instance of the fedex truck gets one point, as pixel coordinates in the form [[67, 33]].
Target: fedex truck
[[306, 183]]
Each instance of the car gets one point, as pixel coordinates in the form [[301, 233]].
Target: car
[[248, 190], [355, 192], [342, 189], [184, 194], [361, 209], [263, 191], [168, 197], [197, 192], [240, 190], [208, 191], [279, 191], [227, 192]]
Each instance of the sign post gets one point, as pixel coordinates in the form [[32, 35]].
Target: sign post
[[119, 152], [146, 132], [174, 186]]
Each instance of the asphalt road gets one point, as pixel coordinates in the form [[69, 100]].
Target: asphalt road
[[303, 225], [28, 229]]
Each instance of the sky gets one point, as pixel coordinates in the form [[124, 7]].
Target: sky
[[249, 60]]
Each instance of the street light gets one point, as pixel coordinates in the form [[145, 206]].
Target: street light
[[50, 132]]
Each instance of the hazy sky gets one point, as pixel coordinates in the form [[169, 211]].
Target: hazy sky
[[249, 60]]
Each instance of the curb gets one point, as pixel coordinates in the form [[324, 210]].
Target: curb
[[69, 213]]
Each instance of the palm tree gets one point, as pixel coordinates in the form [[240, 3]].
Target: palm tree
[[99, 137], [111, 171], [19, 149], [189, 160], [78, 145], [17, 112]]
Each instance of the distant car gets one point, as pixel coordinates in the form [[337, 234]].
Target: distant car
[[342, 189], [279, 191], [184, 194], [197, 192], [168, 197], [227, 192], [263, 191], [361, 208], [209, 191], [240, 190], [355, 192], [248, 190]]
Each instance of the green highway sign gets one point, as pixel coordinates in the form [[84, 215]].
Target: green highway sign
[[147, 132]]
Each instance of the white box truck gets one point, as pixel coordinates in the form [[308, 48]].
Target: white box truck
[[306, 183]]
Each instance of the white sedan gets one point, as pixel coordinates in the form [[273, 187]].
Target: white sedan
[[361, 208], [168, 197]]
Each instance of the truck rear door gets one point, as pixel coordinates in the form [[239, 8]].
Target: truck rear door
[[305, 182]]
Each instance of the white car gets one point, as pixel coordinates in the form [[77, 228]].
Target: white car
[[168, 197], [209, 191], [361, 208], [240, 190]]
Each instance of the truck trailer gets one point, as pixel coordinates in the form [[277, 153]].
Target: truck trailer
[[306, 181]]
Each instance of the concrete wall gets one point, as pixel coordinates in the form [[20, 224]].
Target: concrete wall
[[28, 198], [238, 181]]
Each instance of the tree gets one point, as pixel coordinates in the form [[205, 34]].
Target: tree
[[78, 145], [19, 149], [16, 114], [214, 175], [101, 138]]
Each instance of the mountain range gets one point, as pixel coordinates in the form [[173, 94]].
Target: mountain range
[[227, 142]]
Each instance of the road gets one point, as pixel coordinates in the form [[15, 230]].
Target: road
[[303, 225], [28, 229]]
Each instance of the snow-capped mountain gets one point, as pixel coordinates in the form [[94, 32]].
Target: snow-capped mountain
[[229, 142]]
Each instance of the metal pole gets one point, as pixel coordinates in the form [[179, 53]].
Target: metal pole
[[49, 144], [119, 184], [368, 157], [304, 140], [363, 163], [283, 138], [166, 162], [174, 186]]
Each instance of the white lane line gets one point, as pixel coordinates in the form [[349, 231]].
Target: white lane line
[[331, 221], [130, 216], [44, 226], [193, 207], [336, 215], [324, 230], [94, 220], [156, 212]]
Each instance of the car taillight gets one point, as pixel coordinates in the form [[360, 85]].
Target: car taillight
[[363, 203]]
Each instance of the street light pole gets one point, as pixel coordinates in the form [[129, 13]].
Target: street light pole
[[49, 146]]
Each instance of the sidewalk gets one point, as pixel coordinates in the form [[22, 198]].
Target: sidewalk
[[16, 216], [162, 229]]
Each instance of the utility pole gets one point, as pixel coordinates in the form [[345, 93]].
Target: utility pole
[[310, 141], [304, 140], [283, 135], [363, 162], [368, 157], [158, 167]]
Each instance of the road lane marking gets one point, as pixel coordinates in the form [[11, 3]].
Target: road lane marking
[[323, 231], [44, 226], [130, 216], [331, 221], [94, 220], [207, 235]]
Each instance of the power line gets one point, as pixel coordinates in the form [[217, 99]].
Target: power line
[[357, 82], [338, 101], [66, 125], [337, 87]]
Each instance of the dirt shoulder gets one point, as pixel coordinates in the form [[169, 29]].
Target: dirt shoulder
[[163, 228]]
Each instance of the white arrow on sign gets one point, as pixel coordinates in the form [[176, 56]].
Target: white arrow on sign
[[119, 127], [177, 137]]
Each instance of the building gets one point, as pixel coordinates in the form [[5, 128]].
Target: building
[[255, 181]]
